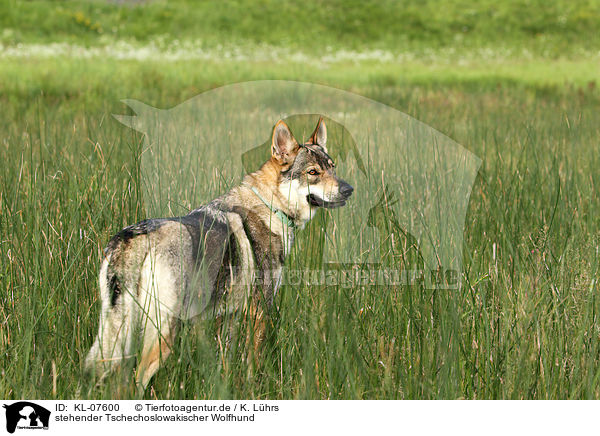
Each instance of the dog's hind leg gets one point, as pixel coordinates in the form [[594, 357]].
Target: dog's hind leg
[[153, 354], [159, 306]]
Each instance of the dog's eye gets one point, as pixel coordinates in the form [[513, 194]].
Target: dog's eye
[[313, 172]]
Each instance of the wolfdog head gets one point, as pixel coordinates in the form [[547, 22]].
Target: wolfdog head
[[307, 178]]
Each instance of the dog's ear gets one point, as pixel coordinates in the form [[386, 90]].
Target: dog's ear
[[319, 136], [284, 146]]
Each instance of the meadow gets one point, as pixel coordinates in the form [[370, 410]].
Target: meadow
[[518, 89]]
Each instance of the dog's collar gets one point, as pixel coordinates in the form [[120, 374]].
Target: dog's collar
[[285, 219]]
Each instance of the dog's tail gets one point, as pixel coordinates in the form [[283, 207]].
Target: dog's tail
[[114, 342]]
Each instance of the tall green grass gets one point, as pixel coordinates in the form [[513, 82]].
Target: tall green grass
[[524, 325]]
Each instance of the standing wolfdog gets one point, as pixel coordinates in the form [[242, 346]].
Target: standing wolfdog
[[222, 257]]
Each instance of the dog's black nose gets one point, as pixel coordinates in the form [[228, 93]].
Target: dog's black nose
[[345, 189]]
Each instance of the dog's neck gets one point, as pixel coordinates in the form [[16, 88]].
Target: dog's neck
[[265, 184]]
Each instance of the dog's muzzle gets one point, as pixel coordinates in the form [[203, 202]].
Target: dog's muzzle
[[345, 191]]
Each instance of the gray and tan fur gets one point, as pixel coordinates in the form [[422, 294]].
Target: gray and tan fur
[[208, 263]]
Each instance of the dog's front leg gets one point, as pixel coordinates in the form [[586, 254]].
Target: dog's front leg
[[258, 319], [262, 301]]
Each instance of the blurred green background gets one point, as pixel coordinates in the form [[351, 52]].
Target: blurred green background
[[552, 28]]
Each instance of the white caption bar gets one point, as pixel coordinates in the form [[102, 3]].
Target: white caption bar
[[298, 417]]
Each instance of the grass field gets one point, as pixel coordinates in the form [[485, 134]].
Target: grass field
[[518, 89]]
